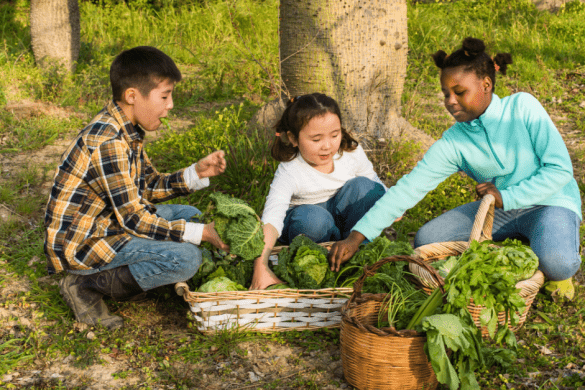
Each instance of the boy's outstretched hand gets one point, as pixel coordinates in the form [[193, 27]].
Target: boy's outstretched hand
[[343, 250], [210, 235], [211, 165], [489, 188]]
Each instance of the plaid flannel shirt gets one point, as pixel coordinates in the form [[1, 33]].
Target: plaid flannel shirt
[[102, 195]]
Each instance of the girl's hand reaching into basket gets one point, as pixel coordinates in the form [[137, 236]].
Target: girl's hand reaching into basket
[[343, 250]]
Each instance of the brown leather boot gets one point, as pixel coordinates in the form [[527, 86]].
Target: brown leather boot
[[84, 293]]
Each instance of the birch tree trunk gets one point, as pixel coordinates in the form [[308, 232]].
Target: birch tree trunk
[[55, 32]]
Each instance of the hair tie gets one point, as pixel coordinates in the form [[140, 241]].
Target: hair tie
[[497, 67], [277, 134]]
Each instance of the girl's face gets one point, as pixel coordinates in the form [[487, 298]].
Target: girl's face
[[319, 141], [466, 95]]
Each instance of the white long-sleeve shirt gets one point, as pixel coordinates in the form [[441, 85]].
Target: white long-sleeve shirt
[[296, 182]]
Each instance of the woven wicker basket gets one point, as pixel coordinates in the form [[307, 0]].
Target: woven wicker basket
[[266, 311], [382, 359], [481, 231]]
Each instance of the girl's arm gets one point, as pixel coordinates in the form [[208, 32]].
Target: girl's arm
[[263, 275], [277, 202]]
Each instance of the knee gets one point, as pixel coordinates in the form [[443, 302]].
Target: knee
[[313, 221], [558, 266], [187, 262], [362, 186]]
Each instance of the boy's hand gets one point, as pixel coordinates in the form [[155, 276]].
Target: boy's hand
[[489, 188], [343, 250], [210, 235], [212, 165]]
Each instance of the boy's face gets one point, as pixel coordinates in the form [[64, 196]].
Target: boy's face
[[149, 109], [466, 95]]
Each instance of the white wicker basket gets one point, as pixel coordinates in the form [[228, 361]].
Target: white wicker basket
[[266, 311]]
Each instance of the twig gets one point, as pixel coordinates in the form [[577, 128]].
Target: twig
[[264, 381], [11, 211]]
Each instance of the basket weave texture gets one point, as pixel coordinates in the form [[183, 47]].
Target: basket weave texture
[[382, 358], [481, 231], [266, 311]]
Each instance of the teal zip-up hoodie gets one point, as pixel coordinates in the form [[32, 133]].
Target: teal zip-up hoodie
[[513, 144]]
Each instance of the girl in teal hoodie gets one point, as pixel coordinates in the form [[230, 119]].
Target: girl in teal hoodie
[[511, 147]]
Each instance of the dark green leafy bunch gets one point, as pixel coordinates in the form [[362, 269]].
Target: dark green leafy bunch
[[303, 264], [238, 225], [237, 270], [370, 253], [488, 274]]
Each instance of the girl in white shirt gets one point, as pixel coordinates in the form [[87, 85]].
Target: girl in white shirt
[[323, 185]]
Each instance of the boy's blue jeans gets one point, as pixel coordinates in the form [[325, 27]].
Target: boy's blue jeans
[[332, 220], [157, 263], [553, 233]]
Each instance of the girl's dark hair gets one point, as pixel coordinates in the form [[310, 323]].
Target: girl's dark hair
[[142, 67], [297, 114], [472, 57]]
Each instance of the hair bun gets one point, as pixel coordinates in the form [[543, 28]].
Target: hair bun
[[502, 60], [439, 58], [473, 46]]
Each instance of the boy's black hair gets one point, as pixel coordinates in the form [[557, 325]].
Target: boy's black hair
[[298, 113], [142, 67], [472, 57]]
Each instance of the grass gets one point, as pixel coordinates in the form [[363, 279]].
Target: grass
[[228, 53]]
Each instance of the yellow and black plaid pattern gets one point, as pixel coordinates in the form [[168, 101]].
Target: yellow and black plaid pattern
[[103, 193]]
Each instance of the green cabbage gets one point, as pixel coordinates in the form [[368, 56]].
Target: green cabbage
[[219, 284], [304, 265], [238, 226]]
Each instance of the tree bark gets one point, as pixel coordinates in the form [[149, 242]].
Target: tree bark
[[352, 50], [55, 32]]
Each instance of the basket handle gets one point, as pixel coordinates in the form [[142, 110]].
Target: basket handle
[[371, 270], [484, 220], [181, 289]]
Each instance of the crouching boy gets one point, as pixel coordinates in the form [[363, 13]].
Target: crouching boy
[[101, 225]]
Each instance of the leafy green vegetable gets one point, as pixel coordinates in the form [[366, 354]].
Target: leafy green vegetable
[[304, 265], [444, 266], [165, 123], [278, 286], [488, 274], [450, 332], [238, 226], [370, 253], [219, 284]]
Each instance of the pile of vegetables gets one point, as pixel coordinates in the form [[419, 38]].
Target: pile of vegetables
[[487, 274]]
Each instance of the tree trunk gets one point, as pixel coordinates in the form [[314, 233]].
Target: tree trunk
[[54, 30], [354, 51]]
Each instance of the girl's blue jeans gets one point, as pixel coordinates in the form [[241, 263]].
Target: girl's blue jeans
[[334, 219], [157, 263], [552, 231]]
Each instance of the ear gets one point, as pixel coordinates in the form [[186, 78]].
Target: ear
[[129, 96], [291, 137], [487, 84]]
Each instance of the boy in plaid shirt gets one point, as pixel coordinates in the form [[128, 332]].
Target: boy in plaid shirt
[[101, 224]]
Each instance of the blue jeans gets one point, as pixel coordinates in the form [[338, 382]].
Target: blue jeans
[[334, 219], [552, 231], [157, 263]]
